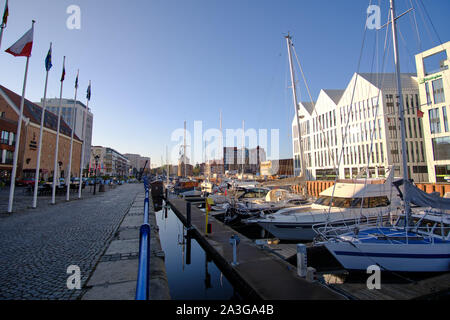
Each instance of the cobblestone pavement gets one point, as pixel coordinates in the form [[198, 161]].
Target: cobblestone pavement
[[37, 246], [23, 199]]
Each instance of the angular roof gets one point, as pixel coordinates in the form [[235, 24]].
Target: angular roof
[[334, 94], [389, 80], [309, 106], [34, 113]]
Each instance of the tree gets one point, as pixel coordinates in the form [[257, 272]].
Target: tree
[[196, 170]]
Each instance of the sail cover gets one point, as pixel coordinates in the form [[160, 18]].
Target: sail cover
[[423, 199]]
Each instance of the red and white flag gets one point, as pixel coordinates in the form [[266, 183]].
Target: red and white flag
[[23, 47]]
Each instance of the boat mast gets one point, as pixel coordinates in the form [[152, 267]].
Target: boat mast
[[294, 93], [184, 150], [243, 148], [221, 145], [401, 111], [167, 164]]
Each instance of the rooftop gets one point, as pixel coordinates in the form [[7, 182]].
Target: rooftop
[[34, 112]]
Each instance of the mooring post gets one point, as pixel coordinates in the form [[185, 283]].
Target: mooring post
[[302, 260], [234, 241], [188, 215]]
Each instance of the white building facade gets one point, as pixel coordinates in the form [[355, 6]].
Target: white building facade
[[347, 132], [434, 87]]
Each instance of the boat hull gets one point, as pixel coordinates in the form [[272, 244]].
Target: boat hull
[[289, 231], [398, 257]]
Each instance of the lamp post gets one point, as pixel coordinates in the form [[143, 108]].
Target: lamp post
[[95, 178]]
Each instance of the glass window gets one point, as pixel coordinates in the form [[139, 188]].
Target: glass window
[[438, 91], [419, 124], [410, 128], [415, 128], [376, 202], [444, 114], [442, 172], [441, 148], [435, 125], [427, 90], [435, 62], [407, 104]]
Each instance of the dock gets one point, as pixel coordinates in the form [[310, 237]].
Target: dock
[[423, 289], [260, 274], [115, 275]]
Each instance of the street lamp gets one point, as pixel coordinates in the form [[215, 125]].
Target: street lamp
[[95, 178]]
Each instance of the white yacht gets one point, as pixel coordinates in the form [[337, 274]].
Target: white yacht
[[344, 204]]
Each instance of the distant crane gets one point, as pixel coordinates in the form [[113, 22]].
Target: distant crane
[[141, 172]]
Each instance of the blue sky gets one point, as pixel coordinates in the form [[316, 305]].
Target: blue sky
[[154, 64]]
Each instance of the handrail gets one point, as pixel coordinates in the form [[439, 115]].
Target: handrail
[[143, 279]]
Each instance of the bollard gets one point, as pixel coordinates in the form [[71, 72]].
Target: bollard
[[311, 275], [234, 241], [188, 215], [302, 260]]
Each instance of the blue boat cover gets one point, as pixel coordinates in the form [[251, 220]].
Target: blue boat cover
[[423, 199]]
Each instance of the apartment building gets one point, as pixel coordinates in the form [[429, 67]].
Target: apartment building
[[434, 88], [346, 132]]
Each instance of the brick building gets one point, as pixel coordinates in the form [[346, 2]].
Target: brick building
[[27, 156]]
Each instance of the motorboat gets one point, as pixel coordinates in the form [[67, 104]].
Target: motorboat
[[343, 203]]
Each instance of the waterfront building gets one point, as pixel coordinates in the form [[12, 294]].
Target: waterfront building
[[348, 130], [27, 156], [434, 88], [243, 159], [137, 162], [74, 118], [184, 170], [283, 167], [110, 163]]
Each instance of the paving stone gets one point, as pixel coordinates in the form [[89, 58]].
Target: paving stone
[[123, 246], [37, 246], [114, 272], [118, 291]]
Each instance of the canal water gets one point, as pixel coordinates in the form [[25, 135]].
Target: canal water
[[199, 280]]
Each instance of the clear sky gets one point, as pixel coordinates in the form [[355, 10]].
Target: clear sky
[[155, 63]]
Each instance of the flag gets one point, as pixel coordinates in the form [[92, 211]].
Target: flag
[[88, 96], [419, 113], [48, 60], [5, 15], [76, 82], [23, 47], [63, 76]]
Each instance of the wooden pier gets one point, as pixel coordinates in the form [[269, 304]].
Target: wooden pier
[[260, 274], [423, 289]]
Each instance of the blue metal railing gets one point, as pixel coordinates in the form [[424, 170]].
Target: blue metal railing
[[143, 280]]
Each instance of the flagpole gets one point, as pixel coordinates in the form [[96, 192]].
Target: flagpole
[[83, 145], [1, 33], [17, 145], [3, 25], [57, 137], [71, 140], [41, 132]]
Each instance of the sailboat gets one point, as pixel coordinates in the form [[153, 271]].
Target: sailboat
[[419, 241]]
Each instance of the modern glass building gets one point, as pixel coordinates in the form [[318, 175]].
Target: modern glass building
[[434, 87]]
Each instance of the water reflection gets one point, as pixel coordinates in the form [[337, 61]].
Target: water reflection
[[192, 275]]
